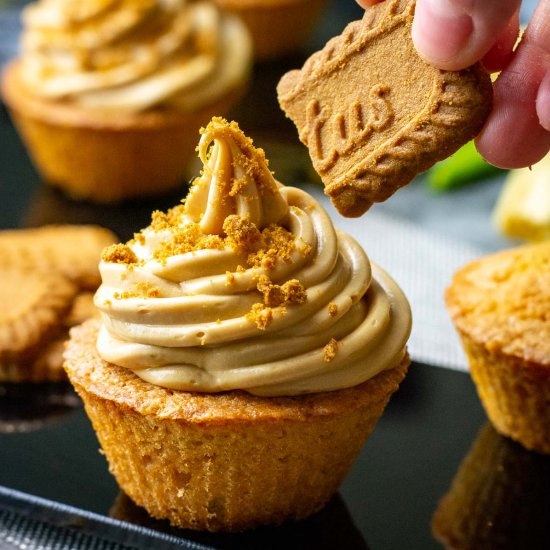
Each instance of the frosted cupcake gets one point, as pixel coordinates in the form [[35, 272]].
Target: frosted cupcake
[[247, 349], [109, 94]]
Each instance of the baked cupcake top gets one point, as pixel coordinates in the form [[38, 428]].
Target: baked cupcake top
[[247, 285], [132, 55], [502, 301]]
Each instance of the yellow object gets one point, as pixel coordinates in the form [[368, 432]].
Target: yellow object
[[523, 208]]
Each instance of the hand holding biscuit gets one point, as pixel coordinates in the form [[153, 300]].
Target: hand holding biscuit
[[374, 114], [453, 34]]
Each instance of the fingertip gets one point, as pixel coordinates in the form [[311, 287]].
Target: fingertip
[[440, 34], [501, 159], [506, 143]]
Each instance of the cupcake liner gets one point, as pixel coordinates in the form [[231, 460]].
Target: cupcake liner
[[514, 393], [106, 157], [228, 461]]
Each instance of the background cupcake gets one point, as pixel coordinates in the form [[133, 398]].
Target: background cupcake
[[278, 27], [109, 94], [247, 349], [500, 306]]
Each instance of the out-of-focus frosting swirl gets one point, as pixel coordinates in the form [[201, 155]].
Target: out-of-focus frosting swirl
[[133, 55], [247, 285]]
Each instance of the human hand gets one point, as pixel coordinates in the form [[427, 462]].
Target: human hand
[[453, 34]]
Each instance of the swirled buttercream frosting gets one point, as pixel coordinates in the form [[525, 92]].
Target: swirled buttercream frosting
[[247, 285], [132, 55]]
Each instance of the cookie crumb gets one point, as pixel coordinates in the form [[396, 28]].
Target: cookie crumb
[[241, 232], [143, 290], [329, 351], [294, 291], [276, 244], [119, 254], [188, 238], [229, 278], [260, 315], [290, 292]]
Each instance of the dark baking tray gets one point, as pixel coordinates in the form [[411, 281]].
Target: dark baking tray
[[48, 450]]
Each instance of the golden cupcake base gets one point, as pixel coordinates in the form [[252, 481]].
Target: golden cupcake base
[[227, 461], [106, 157]]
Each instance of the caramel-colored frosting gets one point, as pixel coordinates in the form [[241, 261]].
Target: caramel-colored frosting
[[132, 55], [247, 285]]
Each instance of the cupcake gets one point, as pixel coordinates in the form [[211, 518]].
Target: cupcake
[[500, 306], [108, 95], [246, 349], [278, 27]]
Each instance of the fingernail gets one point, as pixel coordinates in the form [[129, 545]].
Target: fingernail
[[448, 8], [543, 102]]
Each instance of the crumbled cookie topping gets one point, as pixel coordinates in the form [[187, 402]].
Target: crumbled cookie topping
[[261, 315], [119, 254], [290, 292], [187, 238], [167, 220], [276, 243], [241, 233], [143, 290], [329, 351]]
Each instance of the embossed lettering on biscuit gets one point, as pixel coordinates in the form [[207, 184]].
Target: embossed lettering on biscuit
[[374, 114]]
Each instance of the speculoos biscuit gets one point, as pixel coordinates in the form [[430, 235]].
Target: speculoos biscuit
[[73, 250], [374, 114], [46, 282], [34, 306]]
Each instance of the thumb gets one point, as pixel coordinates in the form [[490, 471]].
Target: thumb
[[454, 34]]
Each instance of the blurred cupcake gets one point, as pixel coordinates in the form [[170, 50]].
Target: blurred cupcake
[[500, 306], [246, 352], [278, 27], [109, 94], [499, 498]]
